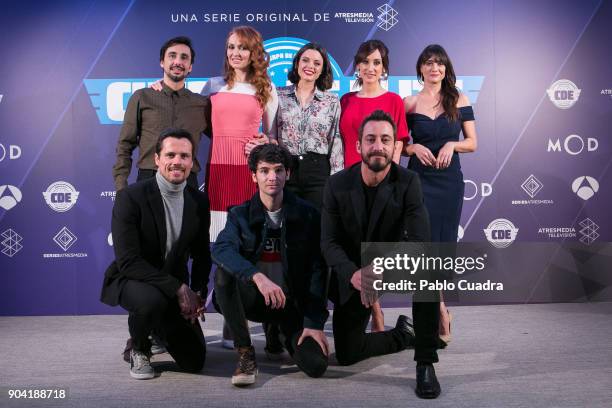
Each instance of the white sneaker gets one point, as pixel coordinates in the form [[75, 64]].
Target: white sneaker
[[140, 366]]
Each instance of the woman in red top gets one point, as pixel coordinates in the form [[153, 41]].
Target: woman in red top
[[371, 64]]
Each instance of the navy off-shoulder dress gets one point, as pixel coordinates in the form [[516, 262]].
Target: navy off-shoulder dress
[[442, 188]]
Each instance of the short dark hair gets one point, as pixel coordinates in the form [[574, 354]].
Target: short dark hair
[[174, 41], [176, 133], [378, 116], [365, 49], [269, 153], [325, 80]]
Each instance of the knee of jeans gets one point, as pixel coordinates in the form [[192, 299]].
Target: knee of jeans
[[346, 355], [310, 358], [195, 363], [315, 370], [152, 306]]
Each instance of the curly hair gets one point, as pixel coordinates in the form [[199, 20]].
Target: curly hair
[[257, 74], [269, 153]]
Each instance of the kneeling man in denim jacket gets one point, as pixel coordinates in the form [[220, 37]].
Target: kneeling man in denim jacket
[[270, 269]]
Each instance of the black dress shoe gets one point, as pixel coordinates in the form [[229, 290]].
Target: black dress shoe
[[427, 385], [404, 326]]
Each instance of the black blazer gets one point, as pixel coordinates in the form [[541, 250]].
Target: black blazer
[[398, 214], [139, 241]]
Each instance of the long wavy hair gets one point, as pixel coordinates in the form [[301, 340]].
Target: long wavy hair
[[325, 80], [257, 74], [449, 95]]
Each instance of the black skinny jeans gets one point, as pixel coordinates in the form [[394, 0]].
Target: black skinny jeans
[[309, 172], [239, 301]]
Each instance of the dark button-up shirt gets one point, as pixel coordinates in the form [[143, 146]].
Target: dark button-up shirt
[[148, 113]]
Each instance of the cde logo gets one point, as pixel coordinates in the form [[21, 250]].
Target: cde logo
[[10, 196], [61, 196], [501, 233], [585, 187], [563, 93]]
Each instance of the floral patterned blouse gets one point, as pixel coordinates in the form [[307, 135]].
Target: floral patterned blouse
[[312, 129]]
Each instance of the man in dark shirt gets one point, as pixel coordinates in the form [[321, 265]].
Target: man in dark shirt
[[149, 112], [270, 270], [376, 201]]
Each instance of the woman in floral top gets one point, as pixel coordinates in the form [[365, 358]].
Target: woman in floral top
[[307, 123]]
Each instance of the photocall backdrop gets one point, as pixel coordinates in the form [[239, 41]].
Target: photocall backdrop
[[536, 72]]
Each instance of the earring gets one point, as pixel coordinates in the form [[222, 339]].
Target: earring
[[384, 76], [357, 74]]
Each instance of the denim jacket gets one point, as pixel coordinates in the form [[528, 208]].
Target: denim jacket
[[239, 246]]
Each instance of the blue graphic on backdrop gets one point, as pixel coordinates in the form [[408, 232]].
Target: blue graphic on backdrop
[[109, 97]]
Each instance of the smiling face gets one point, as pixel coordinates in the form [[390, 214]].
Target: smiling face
[[175, 159], [377, 145], [310, 65], [238, 55], [176, 63], [432, 70], [371, 68]]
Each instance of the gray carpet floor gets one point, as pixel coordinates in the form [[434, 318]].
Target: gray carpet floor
[[546, 355]]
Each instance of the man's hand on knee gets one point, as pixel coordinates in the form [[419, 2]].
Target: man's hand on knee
[[272, 293], [318, 336], [189, 302]]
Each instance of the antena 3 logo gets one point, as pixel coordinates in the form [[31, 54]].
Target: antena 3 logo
[[61, 196], [563, 93], [10, 196], [109, 97]]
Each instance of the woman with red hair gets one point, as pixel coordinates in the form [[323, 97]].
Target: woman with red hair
[[243, 100]]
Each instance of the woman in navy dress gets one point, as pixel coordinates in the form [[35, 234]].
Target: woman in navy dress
[[436, 117]]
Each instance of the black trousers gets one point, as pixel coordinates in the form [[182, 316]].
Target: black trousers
[[239, 301], [353, 344], [426, 319], [150, 309], [309, 172], [144, 174]]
